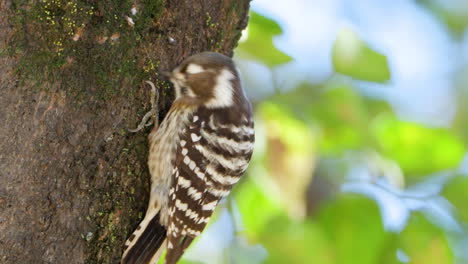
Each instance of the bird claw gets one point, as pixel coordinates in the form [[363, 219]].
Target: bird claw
[[153, 113], [150, 122]]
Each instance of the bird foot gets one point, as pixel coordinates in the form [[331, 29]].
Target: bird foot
[[153, 113]]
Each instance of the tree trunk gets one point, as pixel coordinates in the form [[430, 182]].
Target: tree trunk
[[73, 182]]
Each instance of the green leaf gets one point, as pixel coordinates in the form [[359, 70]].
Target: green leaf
[[334, 111], [418, 149], [346, 231], [455, 192], [296, 243], [292, 131], [354, 229], [454, 14], [353, 57], [460, 122], [425, 243], [183, 261], [342, 118], [259, 44], [256, 207], [290, 150]]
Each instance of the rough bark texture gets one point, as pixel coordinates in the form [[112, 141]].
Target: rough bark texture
[[73, 181]]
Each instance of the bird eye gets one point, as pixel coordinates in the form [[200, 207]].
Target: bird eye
[[183, 90]]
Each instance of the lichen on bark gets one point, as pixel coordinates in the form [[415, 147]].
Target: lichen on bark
[[82, 42]]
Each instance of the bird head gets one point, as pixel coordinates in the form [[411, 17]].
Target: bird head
[[209, 78]]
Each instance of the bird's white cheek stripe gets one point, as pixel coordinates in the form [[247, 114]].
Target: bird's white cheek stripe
[[223, 91], [194, 68]]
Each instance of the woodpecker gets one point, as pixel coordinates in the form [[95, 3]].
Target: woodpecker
[[200, 150]]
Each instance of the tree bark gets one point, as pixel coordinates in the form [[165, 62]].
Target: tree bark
[[73, 182]]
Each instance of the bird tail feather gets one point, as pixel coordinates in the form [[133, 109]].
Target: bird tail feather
[[173, 255], [147, 242]]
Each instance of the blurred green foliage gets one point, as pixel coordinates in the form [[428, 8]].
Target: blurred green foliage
[[455, 191], [259, 44], [339, 177], [418, 149], [353, 57], [456, 18], [424, 242]]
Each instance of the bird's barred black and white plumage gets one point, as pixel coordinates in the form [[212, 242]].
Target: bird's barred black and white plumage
[[201, 149]]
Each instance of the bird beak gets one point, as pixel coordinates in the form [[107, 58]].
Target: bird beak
[[166, 74]]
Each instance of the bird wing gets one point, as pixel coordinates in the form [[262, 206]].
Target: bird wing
[[211, 158]]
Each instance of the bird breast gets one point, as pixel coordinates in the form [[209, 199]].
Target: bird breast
[[163, 142]]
